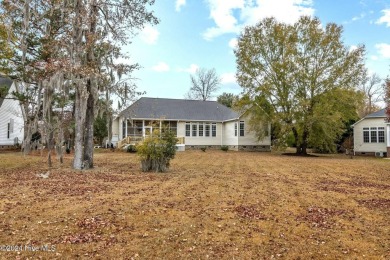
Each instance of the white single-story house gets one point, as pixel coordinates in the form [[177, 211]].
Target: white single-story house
[[11, 117], [371, 135], [197, 123]]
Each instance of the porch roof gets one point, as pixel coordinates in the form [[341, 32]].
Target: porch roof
[[178, 109]]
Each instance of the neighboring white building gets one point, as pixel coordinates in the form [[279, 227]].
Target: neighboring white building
[[372, 135], [199, 123], [11, 117]]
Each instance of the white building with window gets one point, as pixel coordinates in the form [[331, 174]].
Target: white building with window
[[11, 118], [199, 123], [372, 135]]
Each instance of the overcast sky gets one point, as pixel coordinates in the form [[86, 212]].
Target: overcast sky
[[202, 33]]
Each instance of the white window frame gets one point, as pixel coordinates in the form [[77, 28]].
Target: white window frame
[[242, 131], [188, 129], [373, 132]]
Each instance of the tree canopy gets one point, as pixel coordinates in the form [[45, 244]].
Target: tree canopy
[[301, 77], [71, 49], [227, 99]]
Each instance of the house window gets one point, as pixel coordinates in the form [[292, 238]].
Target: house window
[[200, 129], [374, 135], [235, 129], [366, 134], [381, 134], [188, 129], [194, 129], [207, 128], [242, 128], [8, 130], [214, 130]]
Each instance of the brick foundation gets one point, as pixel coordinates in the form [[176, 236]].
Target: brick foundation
[[388, 152]]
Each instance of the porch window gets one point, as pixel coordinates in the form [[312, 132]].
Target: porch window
[[373, 135], [188, 129], [8, 130], [242, 128], [235, 129], [194, 129], [200, 130], [207, 128], [123, 129], [214, 130], [170, 125], [366, 134], [134, 128]]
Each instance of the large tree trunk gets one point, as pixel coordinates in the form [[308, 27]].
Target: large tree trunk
[[90, 111], [88, 135], [302, 146], [80, 114]]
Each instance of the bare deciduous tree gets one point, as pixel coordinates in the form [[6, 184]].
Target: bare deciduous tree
[[204, 83], [387, 98], [373, 92]]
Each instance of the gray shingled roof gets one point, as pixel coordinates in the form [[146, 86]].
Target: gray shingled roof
[[178, 109], [380, 113], [4, 82]]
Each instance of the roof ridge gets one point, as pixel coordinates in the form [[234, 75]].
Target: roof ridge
[[181, 99]]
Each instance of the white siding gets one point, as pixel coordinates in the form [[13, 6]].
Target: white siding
[[115, 127], [10, 111], [229, 137], [250, 137], [359, 145]]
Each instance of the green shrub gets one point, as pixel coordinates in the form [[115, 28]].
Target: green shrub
[[156, 151], [224, 148], [203, 149], [131, 149]]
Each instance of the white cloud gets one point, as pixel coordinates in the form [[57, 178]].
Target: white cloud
[[287, 11], [383, 49], [226, 13], [228, 78], [149, 35], [191, 69], [352, 48], [374, 57], [221, 11], [180, 4], [385, 18], [161, 67], [233, 43]]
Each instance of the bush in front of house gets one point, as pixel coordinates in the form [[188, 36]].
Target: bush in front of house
[[156, 151], [131, 149], [224, 148]]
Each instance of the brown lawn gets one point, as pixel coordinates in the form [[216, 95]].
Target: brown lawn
[[215, 205]]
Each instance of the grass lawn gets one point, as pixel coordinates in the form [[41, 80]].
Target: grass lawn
[[234, 205]]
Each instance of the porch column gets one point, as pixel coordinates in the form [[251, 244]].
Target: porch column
[[126, 126], [143, 128], [160, 126], [388, 140], [120, 126]]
